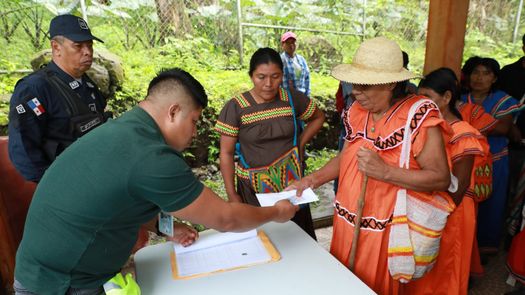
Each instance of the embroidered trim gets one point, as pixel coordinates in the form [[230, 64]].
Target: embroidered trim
[[498, 104], [500, 155], [346, 122], [464, 135], [511, 110], [467, 152], [312, 106], [267, 114], [488, 126], [395, 138], [367, 223], [242, 173], [226, 129], [242, 101], [283, 94]]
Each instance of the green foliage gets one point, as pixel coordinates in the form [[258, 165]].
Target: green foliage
[[131, 29], [4, 111], [318, 159], [479, 44]]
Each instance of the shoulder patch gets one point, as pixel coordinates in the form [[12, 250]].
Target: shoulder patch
[[90, 85], [36, 106], [20, 109]]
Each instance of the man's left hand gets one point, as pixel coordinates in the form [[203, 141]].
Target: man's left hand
[[183, 234]]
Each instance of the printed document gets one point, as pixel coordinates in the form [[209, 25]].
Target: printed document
[[220, 251], [270, 199]]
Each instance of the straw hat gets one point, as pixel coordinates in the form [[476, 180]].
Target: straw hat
[[376, 61]]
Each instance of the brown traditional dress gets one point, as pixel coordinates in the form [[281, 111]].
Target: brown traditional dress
[[265, 132]]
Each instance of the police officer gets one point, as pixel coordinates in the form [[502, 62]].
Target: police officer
[[56, 105]]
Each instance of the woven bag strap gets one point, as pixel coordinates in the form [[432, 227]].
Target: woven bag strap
[[404, 159]]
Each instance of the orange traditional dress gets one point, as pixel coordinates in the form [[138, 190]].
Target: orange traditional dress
[[476, 116], [385, 137], [451, 272]]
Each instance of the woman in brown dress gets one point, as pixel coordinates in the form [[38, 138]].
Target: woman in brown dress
[[263, 127]]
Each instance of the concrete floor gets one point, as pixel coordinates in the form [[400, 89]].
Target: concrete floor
[[492, 283]]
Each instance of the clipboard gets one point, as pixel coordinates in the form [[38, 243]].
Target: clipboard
[[261, 235]]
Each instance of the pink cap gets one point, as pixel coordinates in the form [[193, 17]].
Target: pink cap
[[287, 36]]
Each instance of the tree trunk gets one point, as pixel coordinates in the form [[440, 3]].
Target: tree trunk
[[173, 20]]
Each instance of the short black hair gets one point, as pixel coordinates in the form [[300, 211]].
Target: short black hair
[[489, 63], [523, 40], [470, 64], [265, 55], [441, 81], [190, 84], [492, 65]]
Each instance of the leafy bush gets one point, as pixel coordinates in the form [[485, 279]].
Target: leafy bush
[[318, 158]]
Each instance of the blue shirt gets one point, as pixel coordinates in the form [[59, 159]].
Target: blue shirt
[[497, 104], [38, 114], [298, 74]]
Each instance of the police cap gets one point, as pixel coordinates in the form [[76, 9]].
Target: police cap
[[72, 27]]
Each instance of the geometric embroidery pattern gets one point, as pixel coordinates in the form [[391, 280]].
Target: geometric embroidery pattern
[[482, 182], [226, 129], [396, 138], [267, 114], [369, 223], [276, 176]]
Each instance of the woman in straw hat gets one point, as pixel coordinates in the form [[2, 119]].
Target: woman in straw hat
[[375, 128]]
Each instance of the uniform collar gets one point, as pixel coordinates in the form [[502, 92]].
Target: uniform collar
[[72, 82]]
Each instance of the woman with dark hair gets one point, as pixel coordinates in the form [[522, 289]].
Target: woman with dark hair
[[466, 70], [483, 91], [262, 126], [468, 151]]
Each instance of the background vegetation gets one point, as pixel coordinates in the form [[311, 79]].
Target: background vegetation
[[201, 36]]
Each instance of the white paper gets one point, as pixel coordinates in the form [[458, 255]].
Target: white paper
[[270, 199], [214, 240], [221, 251]]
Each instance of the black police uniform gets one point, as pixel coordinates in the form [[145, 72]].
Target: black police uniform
[[47, 114]]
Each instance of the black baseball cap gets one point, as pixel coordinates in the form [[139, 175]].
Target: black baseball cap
[[72, 27]]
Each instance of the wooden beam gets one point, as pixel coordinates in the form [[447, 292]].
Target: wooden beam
[[447, 22]]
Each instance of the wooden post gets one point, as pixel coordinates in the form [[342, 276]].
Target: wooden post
[[447, 22]]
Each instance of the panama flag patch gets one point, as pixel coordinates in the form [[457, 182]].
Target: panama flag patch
[[35, 105]]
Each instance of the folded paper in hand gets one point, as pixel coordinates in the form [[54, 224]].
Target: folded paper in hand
[[270, 199]]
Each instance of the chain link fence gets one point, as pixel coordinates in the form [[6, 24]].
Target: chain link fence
[[143, 24]]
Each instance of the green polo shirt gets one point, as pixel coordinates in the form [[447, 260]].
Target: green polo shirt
[[87, 209]]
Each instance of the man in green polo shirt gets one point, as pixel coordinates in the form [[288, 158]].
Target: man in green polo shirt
[[88, 207]]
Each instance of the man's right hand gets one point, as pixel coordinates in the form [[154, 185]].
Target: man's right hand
[[285, 211]]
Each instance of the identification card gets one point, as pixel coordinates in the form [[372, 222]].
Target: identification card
[[166, 224]]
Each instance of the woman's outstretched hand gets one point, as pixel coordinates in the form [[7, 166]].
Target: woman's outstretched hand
[[301, 185]]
